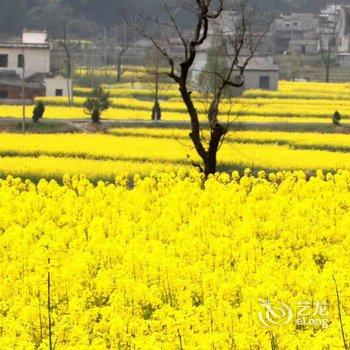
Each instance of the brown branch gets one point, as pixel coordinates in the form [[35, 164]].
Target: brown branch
[[173, 20], [159, 47]]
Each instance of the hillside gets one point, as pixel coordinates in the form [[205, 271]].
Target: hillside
[[46, 14]]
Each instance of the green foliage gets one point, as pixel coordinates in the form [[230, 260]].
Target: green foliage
[[217, 63], [48, 14], [95, 116], [97, 102], [336, 118], [38, 111], [156, 111]]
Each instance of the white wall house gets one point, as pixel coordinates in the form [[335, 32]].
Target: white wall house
[[30, 55], [37, 58], [56, 85], [261, 72], [33, 47], [34, 36]]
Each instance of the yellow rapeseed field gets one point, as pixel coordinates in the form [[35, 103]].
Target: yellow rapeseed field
[[64, 112], [307, 90], [255, 107], [129, 151], [239, 263], [115, 241], [53, 167], [294, 139], [294, 102], [137, 72]]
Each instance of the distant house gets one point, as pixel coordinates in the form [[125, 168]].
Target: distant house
[[297, 32], [261, 72], [344, 37], [335, 26], [28, 58]]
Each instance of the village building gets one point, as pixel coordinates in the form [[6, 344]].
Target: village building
[[261, 73], [329, 20], [335, 30], [343, 41], [27, 62], [311, 33], [296, 32]]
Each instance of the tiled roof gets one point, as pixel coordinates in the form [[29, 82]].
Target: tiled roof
[[11, 79], [20, 45]]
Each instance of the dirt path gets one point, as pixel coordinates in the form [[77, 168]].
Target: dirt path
[[84, 125]]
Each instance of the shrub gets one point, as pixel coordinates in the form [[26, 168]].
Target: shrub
[[97, 102], [156, 111], [336, 118], [38, 111]]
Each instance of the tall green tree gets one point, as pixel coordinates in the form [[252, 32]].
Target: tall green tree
[[217, 64], [97, 102]]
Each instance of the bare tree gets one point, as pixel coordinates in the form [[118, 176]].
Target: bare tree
[[241, 46], [123, 46], [328, 41], [65, 44]]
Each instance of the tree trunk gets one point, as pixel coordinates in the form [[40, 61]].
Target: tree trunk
[[119, 69], [327, 73], [195, 133], [119, 74], [210, 163], [209, 157], [69, 92]]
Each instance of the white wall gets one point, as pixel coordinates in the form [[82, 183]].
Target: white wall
[[56, 82], [343, 39], [34, 37], [37, 60], [199, 64], [252, 79]]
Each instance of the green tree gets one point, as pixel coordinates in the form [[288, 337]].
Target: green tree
[[38, 111], [217, 64], [97, 102]]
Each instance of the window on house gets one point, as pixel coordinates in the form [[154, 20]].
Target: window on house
[[59, 92], [295, 24], [264, 82], [4, 60], [20, 61], [3, 94], [303, 49]]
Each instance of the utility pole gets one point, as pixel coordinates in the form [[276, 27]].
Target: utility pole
[[156, 111], [92, 62], [105, 51], [23, 93]]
